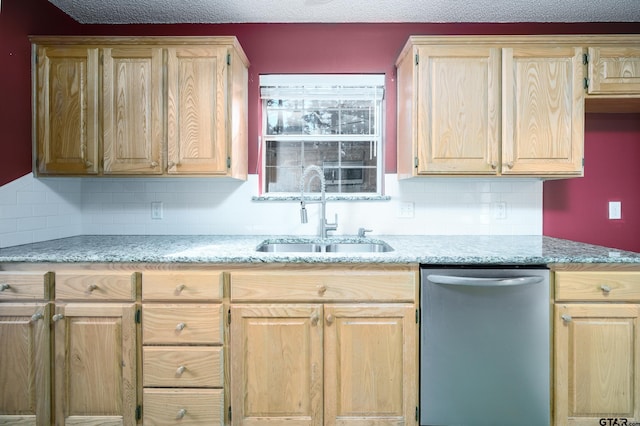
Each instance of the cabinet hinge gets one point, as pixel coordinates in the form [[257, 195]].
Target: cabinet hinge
[[415, 162], [138, 316], [417, 414], [585, 59], [139, 412], [36, 58], [229, 414], [228, 162], [417, 59], [586, 83], [417, 316], [229, 317], [228, 58]]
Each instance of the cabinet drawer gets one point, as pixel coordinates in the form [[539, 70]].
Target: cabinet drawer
[[618, 286], [96, 286], [165, 324], [183, 406], [16, 286], [324, 286], [182, 367], [178, 286]]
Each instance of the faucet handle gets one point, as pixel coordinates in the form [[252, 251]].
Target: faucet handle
[[363, 231], [332, 226]]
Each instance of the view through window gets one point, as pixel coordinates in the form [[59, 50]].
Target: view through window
[[331, 121]]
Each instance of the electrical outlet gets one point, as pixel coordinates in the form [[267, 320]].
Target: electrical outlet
[[406, 209], [499, 210], [615, 210], [156, 210]]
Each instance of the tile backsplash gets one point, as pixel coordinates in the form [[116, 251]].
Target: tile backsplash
[[34, 210]]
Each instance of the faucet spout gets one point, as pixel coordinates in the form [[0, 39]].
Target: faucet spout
[[324, 224]]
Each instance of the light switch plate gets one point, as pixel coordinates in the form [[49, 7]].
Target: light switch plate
[[615, 210]]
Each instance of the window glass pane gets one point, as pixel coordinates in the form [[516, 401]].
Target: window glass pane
[[341, 134]]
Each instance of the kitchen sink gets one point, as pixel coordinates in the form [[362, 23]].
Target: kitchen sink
[[324, 247]]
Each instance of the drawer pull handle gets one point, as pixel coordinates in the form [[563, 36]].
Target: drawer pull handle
[[180, 326], [180, 370], [57, 317], [322, 289], [181, 413], [4, 287], [330, 319], [605, 288], [179, 289], [91, 288], [37, 316], [566, 318]]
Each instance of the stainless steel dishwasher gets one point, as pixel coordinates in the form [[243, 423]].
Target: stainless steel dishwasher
[[485, 346]]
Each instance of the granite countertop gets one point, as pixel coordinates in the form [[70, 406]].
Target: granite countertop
[[430, 249]]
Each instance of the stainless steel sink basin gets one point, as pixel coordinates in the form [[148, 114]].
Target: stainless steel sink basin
[[290, 247], [324, 247]]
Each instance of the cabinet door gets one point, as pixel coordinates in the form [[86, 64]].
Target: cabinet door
[[95, 364], [370, 364], [25, 384], [597, 363], [614, 70], [132, 117], [543, 110], [197, 110], [458, 92], [66, 121], [276, 366]]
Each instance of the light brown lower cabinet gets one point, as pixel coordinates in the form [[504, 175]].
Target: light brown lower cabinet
[[597, 347], [25, 350], [95, 347], [349, 360], [183, 353]]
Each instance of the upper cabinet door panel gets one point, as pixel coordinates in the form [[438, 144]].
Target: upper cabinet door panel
[[543, 110], [197, 110], [614, 70], [458, 109], [133, 123], [67, 110]]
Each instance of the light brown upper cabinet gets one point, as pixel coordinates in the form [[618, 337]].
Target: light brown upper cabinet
[[140, 106], [66, 128], [614, 74], [490, 106]]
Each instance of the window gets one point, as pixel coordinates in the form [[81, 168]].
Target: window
[[331, 121]]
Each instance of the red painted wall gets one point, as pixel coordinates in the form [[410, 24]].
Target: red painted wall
[[301, 48], [577, 209]]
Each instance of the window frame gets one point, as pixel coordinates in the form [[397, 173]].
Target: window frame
[[325, 86]]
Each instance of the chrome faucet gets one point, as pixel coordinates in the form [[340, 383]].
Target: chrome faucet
[[324, 225]]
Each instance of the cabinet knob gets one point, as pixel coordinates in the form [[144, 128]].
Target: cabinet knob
[[566, 317], [315, 318], [179, 288], [4, 287], [88, 164], [605, 288], [510, 164], [180, 370], [180, 326], [91, 288], [330, 319], [57, 317], [154, 164], [181, 413], [37, 316], [494, 165]]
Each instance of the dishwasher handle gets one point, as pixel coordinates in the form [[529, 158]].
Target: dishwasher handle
[[484, 282]]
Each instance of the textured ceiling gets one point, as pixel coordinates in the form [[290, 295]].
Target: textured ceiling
[[338, 11]]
